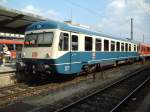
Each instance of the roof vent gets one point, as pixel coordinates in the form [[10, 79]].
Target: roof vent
[[77, 24]]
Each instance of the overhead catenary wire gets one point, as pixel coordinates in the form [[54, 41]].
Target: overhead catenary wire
[[93, 12], [84, 8]]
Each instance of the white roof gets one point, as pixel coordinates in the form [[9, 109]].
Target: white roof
[[14, 21]]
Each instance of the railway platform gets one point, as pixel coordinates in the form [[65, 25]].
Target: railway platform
[[8, 67], [7, 74]]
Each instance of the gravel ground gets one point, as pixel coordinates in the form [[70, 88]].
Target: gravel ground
[[52, 97], [139, 102], [109, 76], [145, 106]]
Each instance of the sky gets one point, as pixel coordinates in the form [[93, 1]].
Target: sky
[[110, 17]]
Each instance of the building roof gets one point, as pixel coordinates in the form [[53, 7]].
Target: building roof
[[14, 21], [11, 42]]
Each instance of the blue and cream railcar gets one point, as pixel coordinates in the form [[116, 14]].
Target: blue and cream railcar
[[60, 48]]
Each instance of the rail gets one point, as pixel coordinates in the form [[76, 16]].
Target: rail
[[106, 89]]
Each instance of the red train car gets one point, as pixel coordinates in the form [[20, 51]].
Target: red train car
[[144, 50]]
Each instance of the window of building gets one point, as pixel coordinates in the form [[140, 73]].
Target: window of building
[[98, 44], [10, 47], [19, 47], [126, 47], [122, 46], [74, 42], [118, 46], [106, 45], [112, 45], [63, 43], [88, 43]]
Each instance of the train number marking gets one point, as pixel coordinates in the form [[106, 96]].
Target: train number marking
[[67, 68]]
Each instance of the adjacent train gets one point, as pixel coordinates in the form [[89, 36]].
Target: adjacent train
[[66, 50]]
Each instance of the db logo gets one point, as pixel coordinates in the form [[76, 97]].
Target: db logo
[[34, 54]]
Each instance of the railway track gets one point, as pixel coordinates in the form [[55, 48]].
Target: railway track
[[21, 90], [110, 98], [135, 101], [14, 92]]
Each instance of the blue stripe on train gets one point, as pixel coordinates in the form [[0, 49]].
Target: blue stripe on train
[[83, 58], [72, 62]]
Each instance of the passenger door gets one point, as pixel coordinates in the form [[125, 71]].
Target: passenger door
[[74, 53]]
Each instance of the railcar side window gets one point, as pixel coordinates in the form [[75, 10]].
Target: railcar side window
[[106, 45], [63, 43], [98, 45], [122, 46], [118, 46], [74, 42], [112, 45], [129, 47], [88, 43], [137, 47], [148, 49], [126, 47]]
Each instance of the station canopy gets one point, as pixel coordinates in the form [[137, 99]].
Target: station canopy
[[14, 21], [11, 42]]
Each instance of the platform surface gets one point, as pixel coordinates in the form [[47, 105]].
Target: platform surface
[[8, 67]]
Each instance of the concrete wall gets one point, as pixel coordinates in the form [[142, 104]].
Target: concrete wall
[[7, 79]]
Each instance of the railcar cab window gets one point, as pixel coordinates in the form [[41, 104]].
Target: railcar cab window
[[118, 46], [112, 45], [74, 42], [88, 43], [106, 45], [39, 39], [98, 44], [63, 42]]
